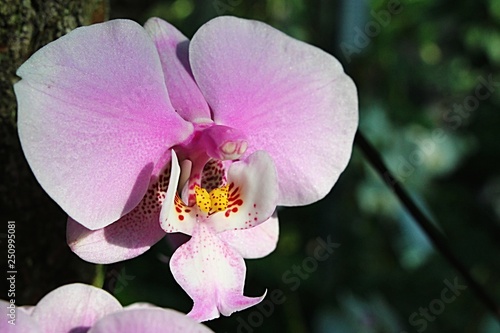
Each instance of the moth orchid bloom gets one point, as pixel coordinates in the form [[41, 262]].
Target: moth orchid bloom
[[102, 110], [209, 267], [80, 308]]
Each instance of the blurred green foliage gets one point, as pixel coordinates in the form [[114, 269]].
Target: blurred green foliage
[[417, 76]]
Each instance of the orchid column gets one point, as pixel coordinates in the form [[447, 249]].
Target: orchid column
[[136, 132]]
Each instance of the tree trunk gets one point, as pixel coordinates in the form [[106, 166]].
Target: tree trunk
[[43, 259]]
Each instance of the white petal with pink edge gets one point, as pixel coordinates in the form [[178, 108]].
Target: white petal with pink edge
[[291, 99], [212, 274], [130, 236], [148, 320], [73, 306], [256, 242], [16, 320], [253, 194], [173, 48], [125, 239]]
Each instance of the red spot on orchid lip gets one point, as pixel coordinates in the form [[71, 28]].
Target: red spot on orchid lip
[[181, 217], [234, 210], [238, 202], [227, 213], [232, 198], [178, 210]]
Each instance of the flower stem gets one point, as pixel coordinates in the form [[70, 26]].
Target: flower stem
[[435, 236], [99, 276]]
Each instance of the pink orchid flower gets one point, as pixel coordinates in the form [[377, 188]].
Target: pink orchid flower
[[136, 132], [80, 308]]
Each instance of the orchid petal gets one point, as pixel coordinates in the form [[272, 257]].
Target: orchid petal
[[175, 216], [140, 305], [148, 320], [130, 236], [256, 242], [21, 321], [173, 48], [212, 274], [253, 193], [125, 239], [73, 308], [28, 309], [291, 99], [94, 116]]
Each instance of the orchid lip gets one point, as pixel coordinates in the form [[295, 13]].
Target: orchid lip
[[213, 202]]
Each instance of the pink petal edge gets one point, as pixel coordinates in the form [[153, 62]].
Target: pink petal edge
[[73, 306], [256, 242], [212, 274], [148, 319], [184, 94]]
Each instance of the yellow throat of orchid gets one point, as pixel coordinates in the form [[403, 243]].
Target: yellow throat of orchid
[[213, 202]]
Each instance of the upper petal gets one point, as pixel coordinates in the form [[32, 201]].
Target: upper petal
[[290, 98], [256, 242], [150, 319], [175, 216], [74, 306], [173, 48], [212, 274], [94, 117]]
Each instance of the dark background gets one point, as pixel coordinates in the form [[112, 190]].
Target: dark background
[[418, 67]]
